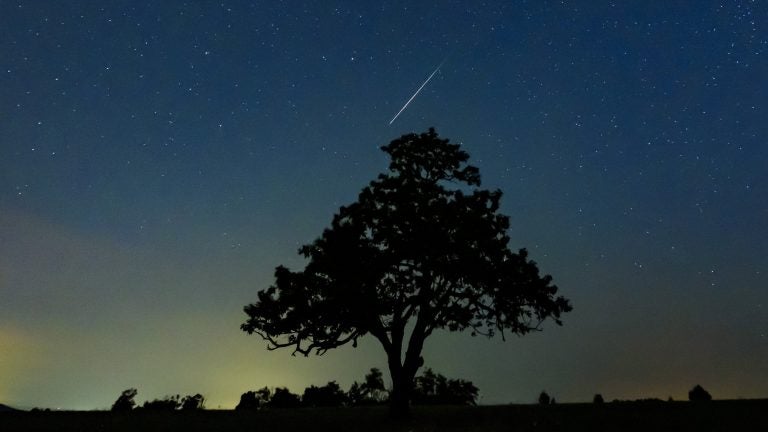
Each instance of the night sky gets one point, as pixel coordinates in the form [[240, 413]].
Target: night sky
[[159, 159]]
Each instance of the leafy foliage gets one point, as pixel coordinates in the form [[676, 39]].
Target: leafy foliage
[[544, 398], [421, 245]]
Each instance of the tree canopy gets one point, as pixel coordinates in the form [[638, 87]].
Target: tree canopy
[[423, 248]]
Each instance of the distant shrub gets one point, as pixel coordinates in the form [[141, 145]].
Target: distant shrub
[[434, 389], [698, 394], [370, 392], [125, 401], [283, 398], [192, 403], [329, 395], [544, 398], [253, 400], [169, 403], [248, 401], [598, 399]]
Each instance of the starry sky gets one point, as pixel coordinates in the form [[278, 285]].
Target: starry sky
[[159, 158]]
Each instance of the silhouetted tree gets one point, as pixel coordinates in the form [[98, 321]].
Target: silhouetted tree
[[544, 398], [461, 392], [125, 401], [374, 385], [356, 395], [169, 403], [422, 249], [283, 398], [253, 400], [191, 403], [248, 401], [371, 391], [329, 395], [598, 399], [435, 389], [698, 394]]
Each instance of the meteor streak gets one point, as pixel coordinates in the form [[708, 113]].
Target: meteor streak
[[417, 92]]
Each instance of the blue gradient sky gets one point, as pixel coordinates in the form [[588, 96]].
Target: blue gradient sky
[[159, 159]]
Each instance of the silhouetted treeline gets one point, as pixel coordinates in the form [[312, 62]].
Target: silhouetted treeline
[[126, 402], [696, 394], [431, 388], [434, 389]]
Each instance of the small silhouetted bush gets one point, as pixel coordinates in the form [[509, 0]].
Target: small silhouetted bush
[[544, 398], [598, 399], [698, 394], [125, 401]]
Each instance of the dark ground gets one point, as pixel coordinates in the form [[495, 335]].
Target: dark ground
[[738, 415]]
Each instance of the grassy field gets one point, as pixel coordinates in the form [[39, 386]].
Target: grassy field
[[742, 415]]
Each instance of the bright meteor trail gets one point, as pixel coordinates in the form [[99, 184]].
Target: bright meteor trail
[[417, 92]]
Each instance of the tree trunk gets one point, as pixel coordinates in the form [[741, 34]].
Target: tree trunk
[[403, 376], [400, 398], [402, 371]]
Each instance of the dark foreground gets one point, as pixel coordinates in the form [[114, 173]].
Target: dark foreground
[[743, 415]]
